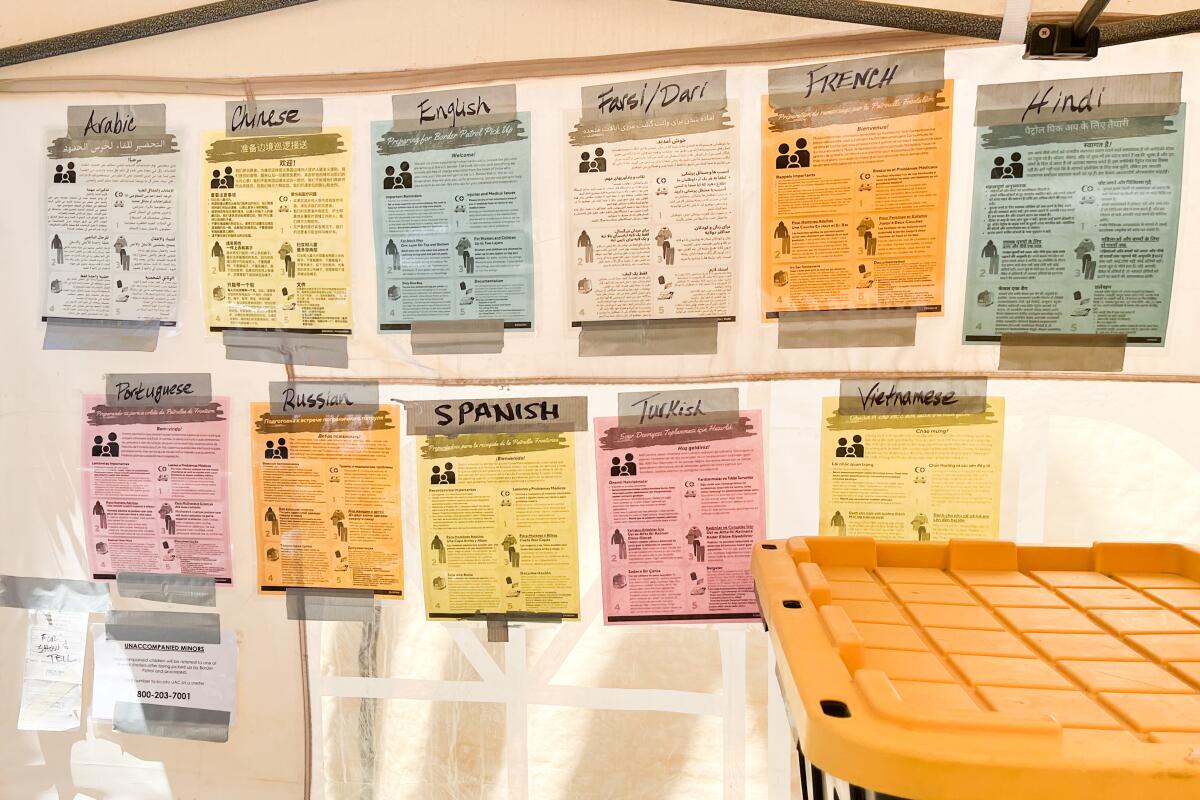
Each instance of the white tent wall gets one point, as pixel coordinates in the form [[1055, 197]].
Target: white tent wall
[[577, 710]]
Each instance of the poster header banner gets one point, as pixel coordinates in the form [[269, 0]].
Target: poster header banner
[[676, 407], [454, 108], [915, 397]]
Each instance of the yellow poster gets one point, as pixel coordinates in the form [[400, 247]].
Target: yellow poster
[[327, 500], [855, 187], [275, 230], [923, 477], [498, 517]]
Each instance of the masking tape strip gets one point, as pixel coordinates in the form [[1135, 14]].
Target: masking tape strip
[[457, 337], [53, 594], [299, 349], [171, 722], [648, 337], [1062, 352], [163, 626], [1016, 20], [101, 334], [157, 389], [330, 605], [192, 590], [508, 616], [869, 328]]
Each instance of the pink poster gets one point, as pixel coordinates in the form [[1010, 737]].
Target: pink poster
[[155, 495], [681, 507]]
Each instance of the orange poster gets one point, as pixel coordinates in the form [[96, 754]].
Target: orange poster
[[856, 174]]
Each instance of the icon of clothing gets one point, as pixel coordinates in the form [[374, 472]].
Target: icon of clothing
[[781, 233], [585, 242], [219, 254], [392, 250], [273, 519], [57, 246], [98, 511], [695, 538], [992, 254], [439, 549], [920, 524], [838, 524], [619, 541], [509, 544], [664, 241]]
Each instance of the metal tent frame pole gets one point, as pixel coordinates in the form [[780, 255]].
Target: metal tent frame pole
[[960, 23], [140, 29]]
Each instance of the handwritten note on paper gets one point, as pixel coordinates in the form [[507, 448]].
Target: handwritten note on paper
[[52, 690]]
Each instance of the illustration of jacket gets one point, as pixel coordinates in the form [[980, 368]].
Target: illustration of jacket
[[619, 541], [584, 240]]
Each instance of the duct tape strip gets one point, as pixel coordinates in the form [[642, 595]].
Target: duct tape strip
[[657, 409], [254, 117], [53, 594], [295, 398], [496, 416], [192, 590], [163, 626], [158, 390], [1035, 103], [101, 334], [330, 605], [171, 722], [497, 628], [117, 121], [457, 337], [508, 616], [916, 396], [858, 79], [1016, 21], [809, 329], [452, 108], [298, 349], [648, 337], [1062, 352]]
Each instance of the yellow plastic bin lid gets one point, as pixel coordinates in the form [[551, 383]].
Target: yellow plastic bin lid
[[984, 670]]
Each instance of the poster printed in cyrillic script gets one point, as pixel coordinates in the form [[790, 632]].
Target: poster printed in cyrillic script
[[453, 209], [155, 488], [275, 244], [327, 500], [51, 693], [1076, 208], [856, 180], [921, 477], [498, 511], [681, 506], [651, 192], [112, 212]]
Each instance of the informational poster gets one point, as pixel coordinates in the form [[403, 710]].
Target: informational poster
[[186, 675], [327, 494], [51, 693], [855, 182], [902, 472], [681, 493], [112, 216], [1076, 208], [155, 481], [453, 205], [498, 505], [275, 234], [651, 197]]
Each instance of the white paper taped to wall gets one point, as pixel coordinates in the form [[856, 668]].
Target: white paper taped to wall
[[52, 689]]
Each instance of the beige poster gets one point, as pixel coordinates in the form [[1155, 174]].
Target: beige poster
[[327, 500], [276, 232], [917, 477]]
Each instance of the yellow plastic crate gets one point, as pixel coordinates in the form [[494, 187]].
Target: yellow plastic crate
[[986, 671]]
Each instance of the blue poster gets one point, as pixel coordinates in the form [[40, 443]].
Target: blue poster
[[453, 210]]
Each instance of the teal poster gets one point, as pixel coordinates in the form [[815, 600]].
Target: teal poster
[[1076, 208], [453, 210]]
